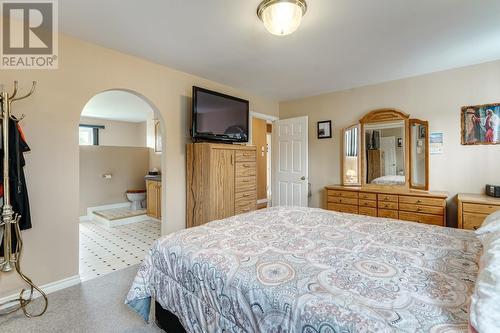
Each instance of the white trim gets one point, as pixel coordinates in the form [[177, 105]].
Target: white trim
[[47, 288], [115, 223], [84, 218], [90, 216], [267, 117], [105, 207], [261, 201]]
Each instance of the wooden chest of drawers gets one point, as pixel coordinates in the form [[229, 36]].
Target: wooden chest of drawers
[[417, 206], [474, 208], [221, 181]]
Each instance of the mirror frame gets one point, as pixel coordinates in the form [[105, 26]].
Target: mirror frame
[[427, 153], [379, 116], [344, 155]]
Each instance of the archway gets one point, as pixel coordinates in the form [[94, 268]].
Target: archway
[[121, 136]]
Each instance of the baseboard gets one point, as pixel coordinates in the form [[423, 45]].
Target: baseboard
[[48, 288]]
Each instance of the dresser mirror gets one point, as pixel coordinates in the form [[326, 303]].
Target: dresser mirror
[[419, 154], [387, 149], [351, 155], [385, 153]]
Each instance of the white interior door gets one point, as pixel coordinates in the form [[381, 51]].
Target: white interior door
[[388, 146], [290, 161]]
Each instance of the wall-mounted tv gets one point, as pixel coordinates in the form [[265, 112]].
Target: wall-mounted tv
[[219, 117]]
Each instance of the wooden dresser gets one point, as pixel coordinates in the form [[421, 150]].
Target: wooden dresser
[[221, 181], [409, 205], [474, 208]]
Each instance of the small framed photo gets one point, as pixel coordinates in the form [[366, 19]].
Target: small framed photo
[[324, 129]]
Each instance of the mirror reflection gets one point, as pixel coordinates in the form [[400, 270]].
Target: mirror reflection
[[418, 154], [351, 156], [385, 153]]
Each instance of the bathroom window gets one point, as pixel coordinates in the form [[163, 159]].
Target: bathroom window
[[89, 135]]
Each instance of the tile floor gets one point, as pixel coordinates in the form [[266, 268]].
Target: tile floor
[[104, 250]]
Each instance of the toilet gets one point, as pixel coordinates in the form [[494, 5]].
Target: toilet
[[136, 197]]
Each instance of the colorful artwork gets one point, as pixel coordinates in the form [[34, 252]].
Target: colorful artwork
[[481, 124]]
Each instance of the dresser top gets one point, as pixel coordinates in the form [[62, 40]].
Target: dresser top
[[478, 198], [391, 190], [224, 146]]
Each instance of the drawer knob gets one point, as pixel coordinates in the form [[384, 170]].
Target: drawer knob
[[340, 200], [246, 195], [419, 209], [419, 201]]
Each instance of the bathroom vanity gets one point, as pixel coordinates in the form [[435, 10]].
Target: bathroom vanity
[[153, 196]]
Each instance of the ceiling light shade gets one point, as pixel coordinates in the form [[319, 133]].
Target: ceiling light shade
[[281, 17]]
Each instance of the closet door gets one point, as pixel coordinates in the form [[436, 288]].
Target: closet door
[[222, 183]]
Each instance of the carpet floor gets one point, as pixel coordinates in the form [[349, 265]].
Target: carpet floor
[[94, 306]]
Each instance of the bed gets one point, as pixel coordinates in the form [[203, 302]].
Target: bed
[[389, 180], [307, 270]]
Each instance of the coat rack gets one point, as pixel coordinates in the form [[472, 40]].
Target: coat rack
[[10, 220]]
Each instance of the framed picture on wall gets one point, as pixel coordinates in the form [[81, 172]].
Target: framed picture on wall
[[480, 124], [157, 137], [324, 129]]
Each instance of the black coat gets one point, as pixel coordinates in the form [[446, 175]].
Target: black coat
[[18, 189]]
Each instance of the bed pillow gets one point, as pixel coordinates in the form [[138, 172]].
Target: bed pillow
[[490, 224], [485, 301]]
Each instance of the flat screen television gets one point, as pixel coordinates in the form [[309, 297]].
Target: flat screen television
[[219, 117]]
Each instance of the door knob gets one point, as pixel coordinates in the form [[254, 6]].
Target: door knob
[[303, 178]]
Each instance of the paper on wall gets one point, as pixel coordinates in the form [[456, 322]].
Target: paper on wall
[[436, 143]]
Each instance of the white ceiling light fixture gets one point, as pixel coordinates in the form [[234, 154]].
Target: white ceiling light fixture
[[282, 17]]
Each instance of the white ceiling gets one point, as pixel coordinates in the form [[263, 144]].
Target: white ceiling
[[341, 43], [118, 105]]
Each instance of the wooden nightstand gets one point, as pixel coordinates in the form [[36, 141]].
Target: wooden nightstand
[[474, 208]]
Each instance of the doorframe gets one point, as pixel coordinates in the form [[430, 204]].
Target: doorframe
[[269, 119], [275, 165]]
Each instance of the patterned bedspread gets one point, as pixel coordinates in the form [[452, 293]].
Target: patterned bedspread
[[309, 270]]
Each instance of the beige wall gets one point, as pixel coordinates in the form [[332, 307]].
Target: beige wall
[[51, 127], [126, 165], [119, 133], [435, 97]]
